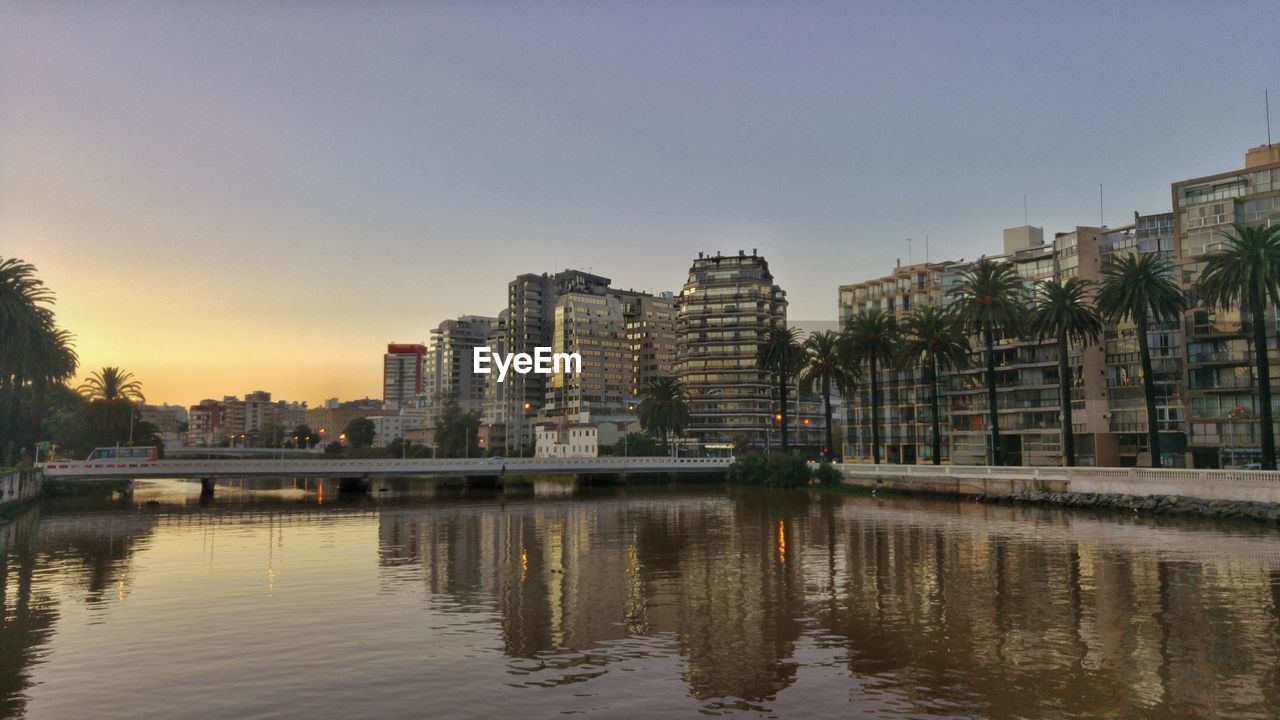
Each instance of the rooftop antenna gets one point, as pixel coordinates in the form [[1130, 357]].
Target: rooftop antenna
[[926, 249], [1266, 96], [908, 251], [1025, 221], [1102, 222]]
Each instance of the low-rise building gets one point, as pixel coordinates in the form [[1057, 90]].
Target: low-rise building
[[567, 440]]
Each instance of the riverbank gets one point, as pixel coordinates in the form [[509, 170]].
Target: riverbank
[[18, 487], [1247, 495]]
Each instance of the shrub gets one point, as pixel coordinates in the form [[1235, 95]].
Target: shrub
[[777, 470], [827, 474]]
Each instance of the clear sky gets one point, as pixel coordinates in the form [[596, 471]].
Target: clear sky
[[229, 196]]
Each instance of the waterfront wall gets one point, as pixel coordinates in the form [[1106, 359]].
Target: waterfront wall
[[19, 486], [1228, 492]]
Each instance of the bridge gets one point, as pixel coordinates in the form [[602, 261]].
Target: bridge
[[209, 471]]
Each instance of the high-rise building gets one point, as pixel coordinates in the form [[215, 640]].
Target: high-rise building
[[402, 382], [531, 303], [1222, 403], [724, 311], [452, 374], [593, 326], [651, 336], [493, 419]]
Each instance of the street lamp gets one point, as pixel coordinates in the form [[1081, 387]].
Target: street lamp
[[520, 430]]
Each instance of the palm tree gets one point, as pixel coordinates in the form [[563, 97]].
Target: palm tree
[[111, 393], [871, 339], [1137, 289], [989, 298], [935, 339], [1246, 272], [35, 352], [111, 384], [664, 407], [782, 356], [1063, 312], [826, 365]]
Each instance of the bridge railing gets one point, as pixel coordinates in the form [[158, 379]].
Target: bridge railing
[[300, 467], [1135, 476]]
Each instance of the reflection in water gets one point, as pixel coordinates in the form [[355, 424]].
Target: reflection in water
[[635, 603]]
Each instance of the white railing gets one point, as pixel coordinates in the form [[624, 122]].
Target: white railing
[[291, 467], [1256, 485]]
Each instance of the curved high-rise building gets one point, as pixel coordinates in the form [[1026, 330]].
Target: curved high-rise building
[[723, 313]]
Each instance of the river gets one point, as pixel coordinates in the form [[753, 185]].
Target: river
[[628, 602]]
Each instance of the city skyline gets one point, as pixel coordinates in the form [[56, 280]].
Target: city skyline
[[276, 228]]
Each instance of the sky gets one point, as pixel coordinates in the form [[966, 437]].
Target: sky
[[228, 197]]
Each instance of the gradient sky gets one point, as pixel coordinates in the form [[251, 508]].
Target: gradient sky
[[230, 196]]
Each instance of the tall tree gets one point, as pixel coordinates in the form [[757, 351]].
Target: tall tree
[[1246, 272], [1140, 288], [989, 298], [304, 437], [360, 432], [664, 408], [827, 366], [112, 394], [1064, 312], [935, 340], [457, 431], [111, 384], [871, 341], [781, 356], [34, 353]]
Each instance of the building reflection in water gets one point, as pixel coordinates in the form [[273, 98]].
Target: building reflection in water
[[956, 607], [743, 598]]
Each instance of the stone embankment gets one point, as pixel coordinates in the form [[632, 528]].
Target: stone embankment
[[1244, 494], [1153, 504]]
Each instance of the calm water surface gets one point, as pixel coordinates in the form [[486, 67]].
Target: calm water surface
[[628, 603]]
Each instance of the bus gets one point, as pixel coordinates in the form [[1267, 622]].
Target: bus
[[137, 454]]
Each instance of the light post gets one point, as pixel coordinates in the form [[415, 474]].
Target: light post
[[1236, 413], [520, 430]]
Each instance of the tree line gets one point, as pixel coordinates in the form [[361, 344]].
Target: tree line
[[992, 302], [37, 359]]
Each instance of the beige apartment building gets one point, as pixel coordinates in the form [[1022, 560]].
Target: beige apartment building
[[724, 311], [1026, 369], [1222, 401], [905, 420]]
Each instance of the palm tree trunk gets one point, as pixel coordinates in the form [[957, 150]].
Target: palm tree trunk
[[1149, 391], [992, 410], [829, 451], [875, 414], [1257, 306], [1064, 400], [933, 409], [782, 398]]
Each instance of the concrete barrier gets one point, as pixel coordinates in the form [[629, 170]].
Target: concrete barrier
[[19, 486], [1254, 486]]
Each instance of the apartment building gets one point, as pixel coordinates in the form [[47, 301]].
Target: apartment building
[[1149, 234], [402, 375], [723, 313], [531, 303], [451, 374], [1221, 398], [906, 435]]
